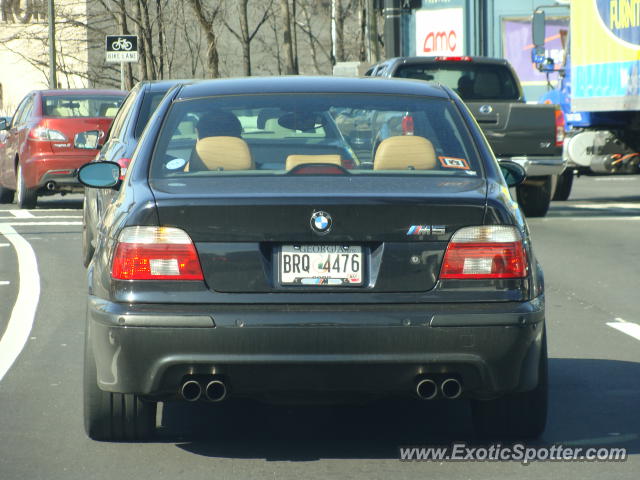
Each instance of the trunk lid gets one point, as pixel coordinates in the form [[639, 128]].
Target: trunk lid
[[240, 225], [69, 127]]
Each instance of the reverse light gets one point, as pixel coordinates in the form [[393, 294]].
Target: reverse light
[[155, 253], [559, 127], [47, 134], [489, 251]]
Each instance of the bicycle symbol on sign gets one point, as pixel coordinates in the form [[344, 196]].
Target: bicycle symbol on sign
[[121, 44]]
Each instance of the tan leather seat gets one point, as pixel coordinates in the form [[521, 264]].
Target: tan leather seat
[[294, 160], [407, 152], [224, 153]]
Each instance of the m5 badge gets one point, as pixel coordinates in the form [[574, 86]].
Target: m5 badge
[[420, 230]]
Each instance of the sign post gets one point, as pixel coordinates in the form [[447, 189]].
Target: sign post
[[122, 48]]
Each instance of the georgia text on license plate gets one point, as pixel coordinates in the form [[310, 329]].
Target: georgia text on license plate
[[328, 265]]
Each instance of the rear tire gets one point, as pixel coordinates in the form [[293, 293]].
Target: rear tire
[[114, 416], [563, 189], [535, 199], [6, 195], [520, 415], [27, 198]]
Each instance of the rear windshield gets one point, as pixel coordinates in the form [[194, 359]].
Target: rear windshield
[[282, 134], [74, 106], [470, 80]]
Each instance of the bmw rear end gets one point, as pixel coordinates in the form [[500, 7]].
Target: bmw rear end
[[288, 262], [51, 161]]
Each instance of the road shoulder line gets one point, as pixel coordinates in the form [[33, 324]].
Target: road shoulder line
[[24, 311]]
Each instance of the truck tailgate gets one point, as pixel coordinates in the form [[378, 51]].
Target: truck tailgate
[[517, 129]]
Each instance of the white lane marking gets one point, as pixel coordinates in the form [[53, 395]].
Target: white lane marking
[[4, 282], [587, 219], [4, 244], [630, 328], [21, 213], [615, 179], [22, 224], [41, 216], [606, 206], [24, 311], [45, 210]]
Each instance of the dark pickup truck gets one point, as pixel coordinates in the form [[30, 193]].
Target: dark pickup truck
[[528, 134]]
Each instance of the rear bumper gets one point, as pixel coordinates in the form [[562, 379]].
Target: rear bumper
[[540, 166], [60, 169], [360, 350]]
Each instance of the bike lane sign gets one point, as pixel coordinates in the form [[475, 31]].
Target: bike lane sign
[[122, 48]]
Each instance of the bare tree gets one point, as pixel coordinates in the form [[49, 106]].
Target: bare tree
[[207, 20], [315, 20], [290, 62], [243, 33]]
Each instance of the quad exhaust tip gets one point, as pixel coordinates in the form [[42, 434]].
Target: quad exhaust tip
[[216, 391], [451, 388], [191, 391], [427, 389]]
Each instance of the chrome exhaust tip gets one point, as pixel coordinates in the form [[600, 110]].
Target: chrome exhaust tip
[[216, 391], [451, 388], [191, 391], [427, 389]]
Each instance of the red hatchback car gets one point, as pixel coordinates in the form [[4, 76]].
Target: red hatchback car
[[37, 153]]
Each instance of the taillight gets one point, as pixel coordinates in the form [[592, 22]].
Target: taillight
[[124, 164], [489, 251], [155, 253], [47, 134], [559, 127]]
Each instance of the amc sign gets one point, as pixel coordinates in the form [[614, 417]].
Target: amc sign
[[440, 32]]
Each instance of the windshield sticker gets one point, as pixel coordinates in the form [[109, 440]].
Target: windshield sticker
[[451, 162], [176, 163]]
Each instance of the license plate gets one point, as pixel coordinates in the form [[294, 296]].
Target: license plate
[[321, 265]]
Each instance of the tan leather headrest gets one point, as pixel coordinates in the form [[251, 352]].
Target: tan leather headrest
[[405, 152], [224, 153], [294, 160]]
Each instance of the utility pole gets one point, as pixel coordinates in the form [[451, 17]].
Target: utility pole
[[392, 28], [53, 81]]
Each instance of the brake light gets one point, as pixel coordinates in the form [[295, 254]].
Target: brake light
[[155, 253], [407, 125], [453, 59], [348, 163], [47, 134], [489, 251], [124, 164], [559, 127]]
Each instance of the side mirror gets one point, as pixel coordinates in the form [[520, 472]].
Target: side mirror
[[513, 173], [538, 27], [99, 174], [87, 140]]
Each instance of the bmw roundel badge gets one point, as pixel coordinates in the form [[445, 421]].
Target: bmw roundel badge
[[321, 222]]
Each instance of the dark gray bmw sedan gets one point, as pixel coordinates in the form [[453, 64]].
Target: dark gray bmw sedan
[[330, 238]]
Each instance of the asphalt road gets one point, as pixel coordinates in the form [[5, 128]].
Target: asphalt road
[[588, 247]]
